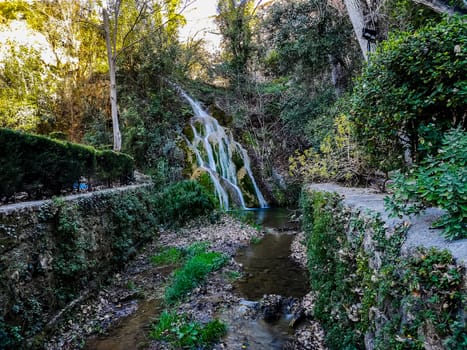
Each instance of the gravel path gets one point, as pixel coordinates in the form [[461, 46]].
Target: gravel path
[[420, 233]]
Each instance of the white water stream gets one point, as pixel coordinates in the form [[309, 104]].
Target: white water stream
[[214, 149]]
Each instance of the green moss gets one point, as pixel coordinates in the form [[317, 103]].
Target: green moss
[[247, 188], [188, 132], [237, 160], [205, 180], [223, 118]]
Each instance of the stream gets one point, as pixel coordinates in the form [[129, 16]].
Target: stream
[[267, 269]]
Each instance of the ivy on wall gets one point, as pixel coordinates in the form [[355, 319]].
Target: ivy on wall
[[367, 292]]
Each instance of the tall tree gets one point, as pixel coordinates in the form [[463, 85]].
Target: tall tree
[[235, 21], [127, 23], [311, 39]]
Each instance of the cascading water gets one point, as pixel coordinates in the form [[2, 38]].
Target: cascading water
[[215, 151]]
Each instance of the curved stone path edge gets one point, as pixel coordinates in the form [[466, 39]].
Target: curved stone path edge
[[420, 233]]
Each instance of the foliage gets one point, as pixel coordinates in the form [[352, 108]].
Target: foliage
[[170, 255], [71, 265], [404, 15], [25, 86], [411, 91], [331, 264], [184, 200], [32, 163], [364, 286], [307, 112], [151, 122], [313, 34], [181, 332], [235, 21], [428, 289], [192, 273], [136, 216], [255, 240], [39, 165], [10, 336], [113, 166], [338, 159], [440, 181]]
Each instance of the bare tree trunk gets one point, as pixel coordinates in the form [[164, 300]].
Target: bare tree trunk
[[358, 9], [439, 6], [111, 57], [356, 16]]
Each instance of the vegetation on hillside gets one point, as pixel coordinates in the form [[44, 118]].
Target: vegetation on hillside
[[290, 82]]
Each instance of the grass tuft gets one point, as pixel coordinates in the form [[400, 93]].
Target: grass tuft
[[180, 332]]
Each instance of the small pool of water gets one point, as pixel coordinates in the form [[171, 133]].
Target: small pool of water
[[268, 269], [254, 334]]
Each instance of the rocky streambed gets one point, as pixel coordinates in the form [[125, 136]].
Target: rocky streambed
[[119, 316]]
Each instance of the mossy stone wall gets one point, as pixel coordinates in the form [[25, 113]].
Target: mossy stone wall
[[369, 295], [54, 250]]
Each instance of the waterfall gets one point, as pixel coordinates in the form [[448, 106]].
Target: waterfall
[[215, 150]]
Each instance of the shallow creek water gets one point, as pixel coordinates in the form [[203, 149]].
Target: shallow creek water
[[267, 269], [131, 332]]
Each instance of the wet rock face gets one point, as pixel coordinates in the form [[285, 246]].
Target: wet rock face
[[223, 118]]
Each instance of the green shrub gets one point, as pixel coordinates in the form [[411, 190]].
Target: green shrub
[[330, 273], [113, 166], [42, 166], [136, 217], [58, 135], [338, 159], [180, 332], [183, 201], [439, 181], [412, 90]]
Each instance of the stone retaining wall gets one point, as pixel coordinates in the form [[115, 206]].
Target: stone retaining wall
[[52, 251], [382, 283]]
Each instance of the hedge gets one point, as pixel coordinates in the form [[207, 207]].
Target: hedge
[[41, 166]]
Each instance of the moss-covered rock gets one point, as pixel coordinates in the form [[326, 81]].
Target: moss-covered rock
[[223, 118], [247, 188]]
